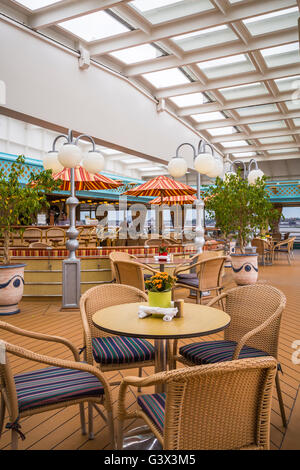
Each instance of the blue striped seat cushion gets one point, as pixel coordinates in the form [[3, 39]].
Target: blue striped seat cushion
[[121, 350], [187, 276], [154, 407], [209, 352], [53, 385]]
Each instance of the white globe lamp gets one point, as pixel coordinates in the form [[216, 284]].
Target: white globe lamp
[[50, 162], [93, 162], [204, 163], [177, 167], [69, 155], [254, 175], [217, 170]]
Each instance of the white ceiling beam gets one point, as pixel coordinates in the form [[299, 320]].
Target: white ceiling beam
[[214, 52], [260, 158], [133, 17], [243, 102], [188, 24], [246, 120], [232, 80], [260, 148], [68, 10], [253, 135]]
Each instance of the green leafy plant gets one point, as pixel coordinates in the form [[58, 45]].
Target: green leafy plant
[[19, 203], [160, 282], [163, 250], [240, 208]]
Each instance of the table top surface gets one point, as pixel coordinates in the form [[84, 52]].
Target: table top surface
[[197, 320], [175, 260]]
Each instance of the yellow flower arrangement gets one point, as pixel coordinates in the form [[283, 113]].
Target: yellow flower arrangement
[[160, 282]]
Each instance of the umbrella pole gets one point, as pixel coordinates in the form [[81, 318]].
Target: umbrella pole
[[71, 266]]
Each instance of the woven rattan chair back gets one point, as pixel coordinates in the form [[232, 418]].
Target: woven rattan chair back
[[248, 307], [160, 241], [130, 273], [56, 235], [260, 245], [104, 296], [209, 272], [30, 234], [220, 406], [117, 256]]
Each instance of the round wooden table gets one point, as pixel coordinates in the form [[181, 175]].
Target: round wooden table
[[162, 263], [197, 320]]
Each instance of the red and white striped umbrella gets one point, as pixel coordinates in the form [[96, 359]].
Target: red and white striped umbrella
[[179, 200], [85, 180], [161, 186]]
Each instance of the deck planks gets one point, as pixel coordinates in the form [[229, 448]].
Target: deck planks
[[60, 429]]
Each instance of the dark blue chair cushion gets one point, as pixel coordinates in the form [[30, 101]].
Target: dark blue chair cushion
[[121, 350], [53, 385], [154, 407], [209, 352]]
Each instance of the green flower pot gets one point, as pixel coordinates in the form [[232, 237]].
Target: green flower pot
[[160, 299]]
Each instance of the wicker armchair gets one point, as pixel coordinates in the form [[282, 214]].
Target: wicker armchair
[[118, 256], [131, 273], [30, 393], [216, 406], [255, 312], [286, 247], [263, 249], [30, 235], [208, 277], [56, 236]]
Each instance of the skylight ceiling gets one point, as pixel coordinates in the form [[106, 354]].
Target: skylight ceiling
[[159, 11], [94, 26], [225, 67], [36, 4]]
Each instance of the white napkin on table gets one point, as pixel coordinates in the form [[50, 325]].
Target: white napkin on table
[[146, 310]]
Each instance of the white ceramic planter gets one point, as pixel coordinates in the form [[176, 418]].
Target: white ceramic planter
[[244, 268], [11, 288]]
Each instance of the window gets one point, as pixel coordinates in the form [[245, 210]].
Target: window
[[205, 38], [244, 91], [166, 78], [94, 26], [36, 4], [137, 54], [191, 99], [274, 21], [203, 117], [281, 55], [226, 66]]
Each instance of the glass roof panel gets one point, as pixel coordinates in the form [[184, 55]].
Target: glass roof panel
[[255, 110], [292, 105], [275, 140], [205, 38], [158, 11], [234, 143], [222, 130], [226, 66], [244, 91], [281, 55], [166, 78], [192, 99], [264, 126], [137, 54], [94, 26], [203, 117], [244, 154], [36, 4], [274, 21], [296, 121], [274, 152], [288, 83]]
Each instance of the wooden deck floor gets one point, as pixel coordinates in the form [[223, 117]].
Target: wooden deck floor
[[61, 429]]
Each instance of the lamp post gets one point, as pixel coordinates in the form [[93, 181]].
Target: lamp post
[[204, 163], [70, 156], [251, 175]]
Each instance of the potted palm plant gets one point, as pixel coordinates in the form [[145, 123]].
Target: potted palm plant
[[19, 205], [241, 209], [159, 289]]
